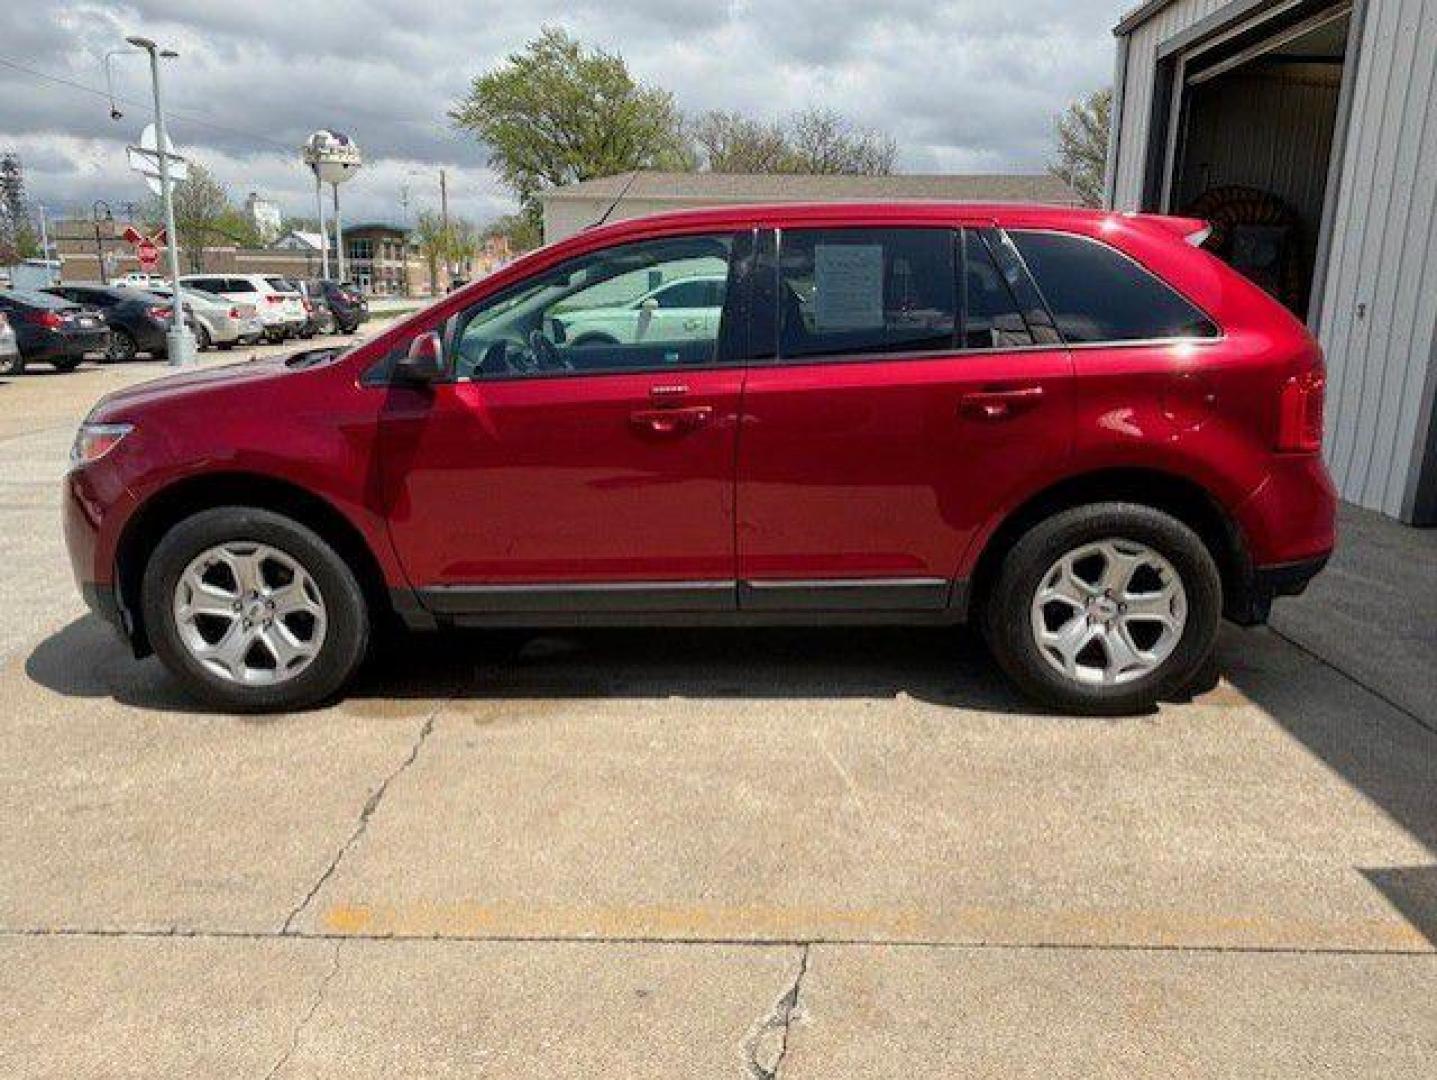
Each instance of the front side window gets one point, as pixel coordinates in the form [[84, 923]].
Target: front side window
[[602, 312], [851, 292], [1098, 294]]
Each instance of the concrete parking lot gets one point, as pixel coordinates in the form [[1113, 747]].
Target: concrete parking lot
[[794, 854]]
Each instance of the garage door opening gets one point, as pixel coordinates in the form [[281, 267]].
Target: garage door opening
[[1253, 144]]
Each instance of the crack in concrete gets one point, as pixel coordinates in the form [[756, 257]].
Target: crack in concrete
[[774, 1028], [308, 1015], [366, 812]]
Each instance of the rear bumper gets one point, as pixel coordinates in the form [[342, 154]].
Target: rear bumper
[[67, 346], [1267, 583]]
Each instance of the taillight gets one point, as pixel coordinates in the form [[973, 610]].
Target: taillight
[[1299, 426], [234, 313], [50, 320], [274, 298], [161, 313]]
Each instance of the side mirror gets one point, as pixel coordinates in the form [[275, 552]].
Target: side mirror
[[424, 362]]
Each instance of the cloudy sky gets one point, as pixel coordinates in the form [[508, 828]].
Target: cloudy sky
[[964, 85]]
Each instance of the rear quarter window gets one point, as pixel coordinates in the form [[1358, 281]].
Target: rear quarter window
[[1097, 294]]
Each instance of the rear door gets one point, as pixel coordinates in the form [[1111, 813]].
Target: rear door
[[913, 384]]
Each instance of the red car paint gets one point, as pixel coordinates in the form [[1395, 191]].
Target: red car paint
[[887, 469]]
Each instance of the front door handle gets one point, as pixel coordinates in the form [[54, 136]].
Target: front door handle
[[1000, 404], [672, 421]]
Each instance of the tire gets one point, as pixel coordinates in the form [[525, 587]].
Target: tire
[[202, 338], [12, 365], [339, 634], [1150, 658], [225, 346], [122, 346], [66, 363]]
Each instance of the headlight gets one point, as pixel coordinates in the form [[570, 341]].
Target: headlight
[[94, 441]]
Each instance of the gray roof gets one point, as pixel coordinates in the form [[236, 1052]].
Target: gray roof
[[1135, 17], [780, 187]]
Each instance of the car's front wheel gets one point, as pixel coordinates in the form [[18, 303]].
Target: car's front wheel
[[253, 611], [1105, 609]]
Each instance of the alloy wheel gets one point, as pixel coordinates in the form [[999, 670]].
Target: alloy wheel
[[1109, 612], [250, 613]]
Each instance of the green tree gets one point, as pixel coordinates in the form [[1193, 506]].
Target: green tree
[[1082, 157], [557, 112], [523, 234]]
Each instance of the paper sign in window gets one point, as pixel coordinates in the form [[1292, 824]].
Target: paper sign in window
[[848, 286]]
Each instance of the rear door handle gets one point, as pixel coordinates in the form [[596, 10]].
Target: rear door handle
[[672, 421], [1000, 404]]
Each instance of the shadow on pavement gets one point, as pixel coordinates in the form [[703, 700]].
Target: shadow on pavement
[[946, 667], [1382, 752]]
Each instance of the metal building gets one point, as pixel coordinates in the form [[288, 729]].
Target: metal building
[[1307, 130]]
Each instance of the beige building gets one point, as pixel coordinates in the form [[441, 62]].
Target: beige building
[[572, 208]]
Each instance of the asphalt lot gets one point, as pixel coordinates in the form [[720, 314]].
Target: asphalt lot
[[804, 854]]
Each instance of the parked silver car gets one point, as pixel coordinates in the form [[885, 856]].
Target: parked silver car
[[10, 361], [218, 322]]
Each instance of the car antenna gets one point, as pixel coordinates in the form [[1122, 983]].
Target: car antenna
[[634, 175]]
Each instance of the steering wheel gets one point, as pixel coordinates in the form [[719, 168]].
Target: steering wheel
[[546, 353]]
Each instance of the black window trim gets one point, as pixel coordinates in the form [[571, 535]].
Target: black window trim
[[1122, 343]]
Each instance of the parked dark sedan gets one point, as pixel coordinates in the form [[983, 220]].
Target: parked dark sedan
[[52, 330], [138, 320], [344, 300]]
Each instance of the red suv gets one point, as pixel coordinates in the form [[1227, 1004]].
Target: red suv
[[1073, 427]]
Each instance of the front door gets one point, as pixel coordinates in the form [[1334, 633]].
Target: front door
[[899, 414], [557, 474]]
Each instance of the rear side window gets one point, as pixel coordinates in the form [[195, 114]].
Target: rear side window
[[239, 285], [1098, 294], [850, 292]]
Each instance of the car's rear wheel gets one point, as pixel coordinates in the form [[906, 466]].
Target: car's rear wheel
[[14, 364], [1105, 609], [202, 337], [253, 611]]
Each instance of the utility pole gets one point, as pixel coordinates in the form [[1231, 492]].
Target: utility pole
[[178, 342], [99, 243]]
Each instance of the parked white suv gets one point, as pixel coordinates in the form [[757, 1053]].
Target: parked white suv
[[684, 309], [280, 308]]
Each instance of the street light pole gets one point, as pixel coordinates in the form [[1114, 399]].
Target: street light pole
[[99, 243], [179, 342]]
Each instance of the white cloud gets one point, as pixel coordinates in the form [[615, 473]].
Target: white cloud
[[963, 85]]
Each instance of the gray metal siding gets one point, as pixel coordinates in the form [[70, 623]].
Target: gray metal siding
[[1379, 306], [1138, 92], [1379, 300]]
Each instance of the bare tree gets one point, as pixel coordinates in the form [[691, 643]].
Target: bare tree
[[821, 141], [730, 143]]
